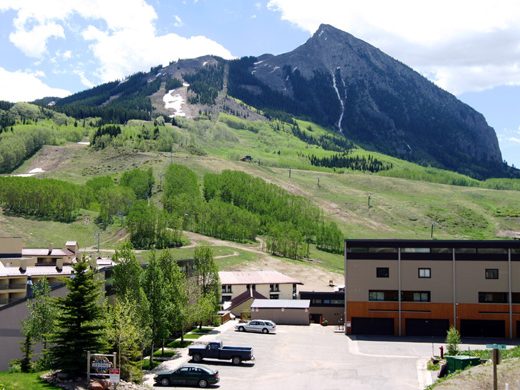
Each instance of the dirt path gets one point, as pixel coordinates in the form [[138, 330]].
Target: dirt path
[[51, 158], [313, 278]]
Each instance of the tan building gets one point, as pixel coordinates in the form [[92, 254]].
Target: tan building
[[239, 289], [20, 267], [281, 311], [422, 287]]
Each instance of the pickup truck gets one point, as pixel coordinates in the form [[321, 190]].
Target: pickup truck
[[215, 350]]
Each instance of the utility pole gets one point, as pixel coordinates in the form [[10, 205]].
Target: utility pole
[[318, 182], [369, 199], [97, 233], [431, 232], [171, 155], [289, 173]]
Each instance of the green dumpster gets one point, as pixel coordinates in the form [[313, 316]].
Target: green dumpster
[[461, 362]]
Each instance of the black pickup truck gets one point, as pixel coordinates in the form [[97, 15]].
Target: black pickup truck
[[215, 350]]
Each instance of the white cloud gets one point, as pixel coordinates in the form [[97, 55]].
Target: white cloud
[[67, 55], [514, 139], [84, 80], [25, 86], [463, 45], [127, 51], [127, 41], [33, 42], [178, 21]]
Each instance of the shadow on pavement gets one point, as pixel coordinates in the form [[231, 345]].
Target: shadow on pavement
[[224, 363], [437, 340]]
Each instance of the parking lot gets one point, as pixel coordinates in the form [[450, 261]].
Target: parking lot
[[316, 357]]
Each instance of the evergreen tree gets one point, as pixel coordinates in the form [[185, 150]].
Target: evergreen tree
[[79, 326], [26, 362]]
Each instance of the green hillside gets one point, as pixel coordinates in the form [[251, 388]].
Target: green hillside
[[404, 200]]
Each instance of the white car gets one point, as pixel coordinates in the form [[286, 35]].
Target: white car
[[263, 326]]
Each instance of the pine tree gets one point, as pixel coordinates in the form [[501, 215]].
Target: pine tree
[[79, 327]]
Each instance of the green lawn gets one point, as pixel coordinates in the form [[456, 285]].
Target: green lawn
[[41, 233], [20, 381]]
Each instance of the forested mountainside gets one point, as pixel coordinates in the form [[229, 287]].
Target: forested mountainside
[[333, 79]]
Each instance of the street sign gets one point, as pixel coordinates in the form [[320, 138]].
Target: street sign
[[495, 346], [114, 375]]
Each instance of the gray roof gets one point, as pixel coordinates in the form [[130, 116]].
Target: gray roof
[[281, 303], [255, 277]]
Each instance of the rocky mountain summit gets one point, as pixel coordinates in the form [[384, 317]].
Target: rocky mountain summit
[[333, 79]]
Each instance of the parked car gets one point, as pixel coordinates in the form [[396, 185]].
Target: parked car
[[215, 350], [264, 326], [188, 375]]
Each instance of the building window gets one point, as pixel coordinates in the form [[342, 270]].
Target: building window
[[274, 287], [425, 273], [382, 272], [415, 296], [492, 297], [225, 298], [273, 296], [491, 273], [226, 288], [385, 295]]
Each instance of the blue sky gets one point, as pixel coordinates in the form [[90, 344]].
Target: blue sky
[[470, 48]]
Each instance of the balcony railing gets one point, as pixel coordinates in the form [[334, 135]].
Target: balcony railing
[[17, 286]]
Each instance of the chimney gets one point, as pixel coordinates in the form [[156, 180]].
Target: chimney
[[50, 249], [23, 268], [59, 265]]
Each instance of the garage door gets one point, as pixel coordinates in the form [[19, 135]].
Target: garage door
[[375, 326], [426, 327], [482, 328]]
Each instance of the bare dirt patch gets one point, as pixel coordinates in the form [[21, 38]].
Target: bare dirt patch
[[52, 158], [313, 278], [481, 377]]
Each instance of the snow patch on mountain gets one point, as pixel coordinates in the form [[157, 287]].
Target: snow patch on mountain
[[174, 101]]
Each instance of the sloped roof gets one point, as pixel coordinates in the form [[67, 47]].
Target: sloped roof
[[45, 252], [255, 277], [36, 271], [281, 303]]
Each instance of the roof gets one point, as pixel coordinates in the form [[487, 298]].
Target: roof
[[36, 271], [400, 243], [255, 277], [46, 252], [281, 303], [71, 243]]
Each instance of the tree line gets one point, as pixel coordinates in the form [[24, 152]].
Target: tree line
[[236, 206], [152, 304], [22, 142], [356, 163], [43, 198]]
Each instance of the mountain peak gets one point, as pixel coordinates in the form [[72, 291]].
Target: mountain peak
[[325, 31]]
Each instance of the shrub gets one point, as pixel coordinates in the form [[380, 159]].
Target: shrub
[[453, 341]]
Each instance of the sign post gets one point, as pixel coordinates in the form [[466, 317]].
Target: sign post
[[495, 354], [103, 366]]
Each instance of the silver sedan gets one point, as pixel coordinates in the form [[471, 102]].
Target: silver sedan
[[261, 326]]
